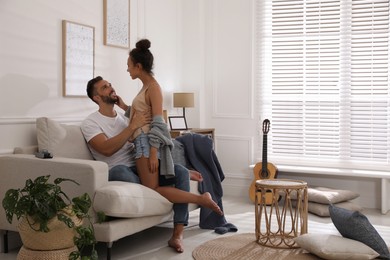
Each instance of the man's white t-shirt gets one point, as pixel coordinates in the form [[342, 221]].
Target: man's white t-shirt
[[95, 124]]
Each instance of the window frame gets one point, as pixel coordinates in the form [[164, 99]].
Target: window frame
[[347, 149]]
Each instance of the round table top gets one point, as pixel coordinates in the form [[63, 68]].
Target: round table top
[[280, 183]]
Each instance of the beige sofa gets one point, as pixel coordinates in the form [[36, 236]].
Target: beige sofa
[[133, 207]]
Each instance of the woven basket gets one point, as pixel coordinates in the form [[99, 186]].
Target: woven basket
[[60, 236], [27, 254]]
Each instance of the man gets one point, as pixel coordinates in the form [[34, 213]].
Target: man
[[107, 134]]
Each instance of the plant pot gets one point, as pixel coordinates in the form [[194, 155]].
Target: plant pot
[[59, 237], [62, 254]]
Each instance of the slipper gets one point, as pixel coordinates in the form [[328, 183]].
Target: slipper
[[225, 228], [231, 227], [221, 230]]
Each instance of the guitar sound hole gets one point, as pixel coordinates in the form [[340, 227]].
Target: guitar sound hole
[[264, 174]]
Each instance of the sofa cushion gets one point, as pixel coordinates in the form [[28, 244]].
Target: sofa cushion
[[61, 139], [355, 225], [130, 200], [335, 247]]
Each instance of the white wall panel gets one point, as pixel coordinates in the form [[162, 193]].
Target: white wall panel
[[234, 153], [231, 54], [162, 29]]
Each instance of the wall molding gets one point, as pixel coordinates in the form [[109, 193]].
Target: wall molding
[[248, 139], [239, 176], [32, 120], [6, 151]]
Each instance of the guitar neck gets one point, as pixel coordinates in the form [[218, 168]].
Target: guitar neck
[[265, 162]]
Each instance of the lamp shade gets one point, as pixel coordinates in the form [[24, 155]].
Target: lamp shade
[[183, 99]]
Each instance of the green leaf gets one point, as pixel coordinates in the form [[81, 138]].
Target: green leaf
[[82, 204], [75, 255], [59, 180], [39, 201], [101, 217], [66, 219]]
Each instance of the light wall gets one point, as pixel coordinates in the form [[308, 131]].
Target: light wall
[[31, 60], [201, 46]]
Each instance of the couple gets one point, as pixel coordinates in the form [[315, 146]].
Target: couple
[[123, 143]]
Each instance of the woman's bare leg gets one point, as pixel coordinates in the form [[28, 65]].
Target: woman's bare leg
[[176, 241], [173, 194]]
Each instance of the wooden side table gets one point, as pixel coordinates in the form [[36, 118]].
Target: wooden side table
[[284, 222], [203, 131]]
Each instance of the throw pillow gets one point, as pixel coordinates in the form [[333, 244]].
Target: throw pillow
[[335, 247], [61, 139], [327, 196], [322, 210], [355, 225], [130, 200]]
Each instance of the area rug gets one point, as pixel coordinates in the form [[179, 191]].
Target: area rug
[[244, 246]]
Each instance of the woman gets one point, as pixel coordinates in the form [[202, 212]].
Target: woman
[[148, 157]]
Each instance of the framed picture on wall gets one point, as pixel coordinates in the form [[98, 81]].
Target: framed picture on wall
[[116, 23], [177, 123], [78, 57]]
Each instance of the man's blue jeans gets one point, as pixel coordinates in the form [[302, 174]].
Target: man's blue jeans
[[181, 181]]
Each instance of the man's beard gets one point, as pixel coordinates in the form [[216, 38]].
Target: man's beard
[[109, 99]]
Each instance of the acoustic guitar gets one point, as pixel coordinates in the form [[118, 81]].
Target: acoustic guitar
[[264, 169]]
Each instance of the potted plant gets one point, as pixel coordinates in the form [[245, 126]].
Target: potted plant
[[45, 208]]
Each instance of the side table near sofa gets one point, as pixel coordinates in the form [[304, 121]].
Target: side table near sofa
[[203, 131], [282, 222]]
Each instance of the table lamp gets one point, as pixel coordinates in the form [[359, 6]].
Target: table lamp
[[183, 100]]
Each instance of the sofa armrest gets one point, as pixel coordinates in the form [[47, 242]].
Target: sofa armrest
[[17, 168], [26, 149]]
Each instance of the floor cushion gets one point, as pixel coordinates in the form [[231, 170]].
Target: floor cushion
[[327, 196], [335, 247], [355, 225], [322, 210]]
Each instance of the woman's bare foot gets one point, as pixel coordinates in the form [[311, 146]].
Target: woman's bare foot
[[208, 202], [176, 244], [196, 176], [176, 241]]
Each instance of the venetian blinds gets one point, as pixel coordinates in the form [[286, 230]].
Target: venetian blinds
[[323, 81]]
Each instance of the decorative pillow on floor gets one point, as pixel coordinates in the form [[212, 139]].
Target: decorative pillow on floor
[[335, 247], [322, 210], [355, 225], [327, 196]]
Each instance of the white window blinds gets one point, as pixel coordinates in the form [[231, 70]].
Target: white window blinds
[[323, 81]]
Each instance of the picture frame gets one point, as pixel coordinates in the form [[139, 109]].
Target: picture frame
[[178, 123], [78, 58], [116, 23]]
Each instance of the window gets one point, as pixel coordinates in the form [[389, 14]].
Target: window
[[323, 81]]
